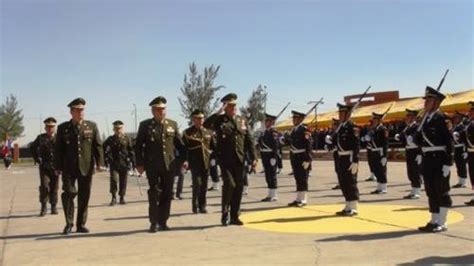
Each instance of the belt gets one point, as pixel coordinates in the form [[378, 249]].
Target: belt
[[459, 145], [266, 150], [195, 148], [433, 149], [375, 149], [297, 151], [411, 147], [344, 153]]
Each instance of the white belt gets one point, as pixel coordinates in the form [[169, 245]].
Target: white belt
[[470, 149], [411, 147], [458, 145], [266, 150], [298, 151], [433, 149], [375, 149], [344, 153]]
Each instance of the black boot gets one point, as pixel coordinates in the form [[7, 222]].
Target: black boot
[[54, 210], [113, 201], [67, 229], [122, 200], [225, 219], [44, 209]]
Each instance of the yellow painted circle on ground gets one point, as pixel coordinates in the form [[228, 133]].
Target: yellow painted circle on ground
[[321, 219]]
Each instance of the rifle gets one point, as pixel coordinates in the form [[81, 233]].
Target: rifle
[[386, 112], [438, 89], [283, 110], [312, 108], [355, 106]]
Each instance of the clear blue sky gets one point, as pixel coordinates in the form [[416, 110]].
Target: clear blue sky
[[116, 53]]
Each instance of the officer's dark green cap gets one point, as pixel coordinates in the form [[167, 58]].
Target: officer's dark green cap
[[117, 124], [344, 107], [432, 93], [78, 103], [159, 102], [270, 117], [197, 113], [297, 114], [411, 112], [230, 98], [50, 122]]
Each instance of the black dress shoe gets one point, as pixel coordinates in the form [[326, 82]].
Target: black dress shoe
[[163, 227], [67, 230], [152, 229], [469, 203], [438, 228], [347, 213], [54, 210], [195, 210], [378, 191], [336, 187], [225, 219], [266, 199], [427, 228], [236, 221], [458, 185], [293, 203], [122, 201], [202, 210], [210, 189], [82, 229]]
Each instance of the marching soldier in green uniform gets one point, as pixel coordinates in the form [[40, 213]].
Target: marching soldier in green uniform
[[78, 149], [119, 156], [199, 143], [43, 154], [156, 144], [233, 142]]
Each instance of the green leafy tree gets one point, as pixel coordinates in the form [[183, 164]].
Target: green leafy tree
[[11, 119], [255, 109], [199, 91]]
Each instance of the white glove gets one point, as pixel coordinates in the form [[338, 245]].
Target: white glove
[[326, 148], [464, 155], [456, 136], [410, 141], [306, 165], [328, 139], [397, 137], [367, 138], [384, 161], [273, 161], [446, 170], [354, 168], [213, 162], [418, 159]]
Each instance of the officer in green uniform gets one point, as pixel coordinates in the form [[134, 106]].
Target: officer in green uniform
[[233, 141], [119, 156], [78, 149], [43, 154], [156, 144], [199, 142]]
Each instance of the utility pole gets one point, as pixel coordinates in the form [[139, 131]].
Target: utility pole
[[135, 115], [316, 103]]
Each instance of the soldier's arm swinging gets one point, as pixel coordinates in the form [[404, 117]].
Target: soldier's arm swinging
[[139, 148], [97, 149]]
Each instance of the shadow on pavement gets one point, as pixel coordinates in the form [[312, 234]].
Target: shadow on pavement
[[18, 216], [466, 259], [367, 237]]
